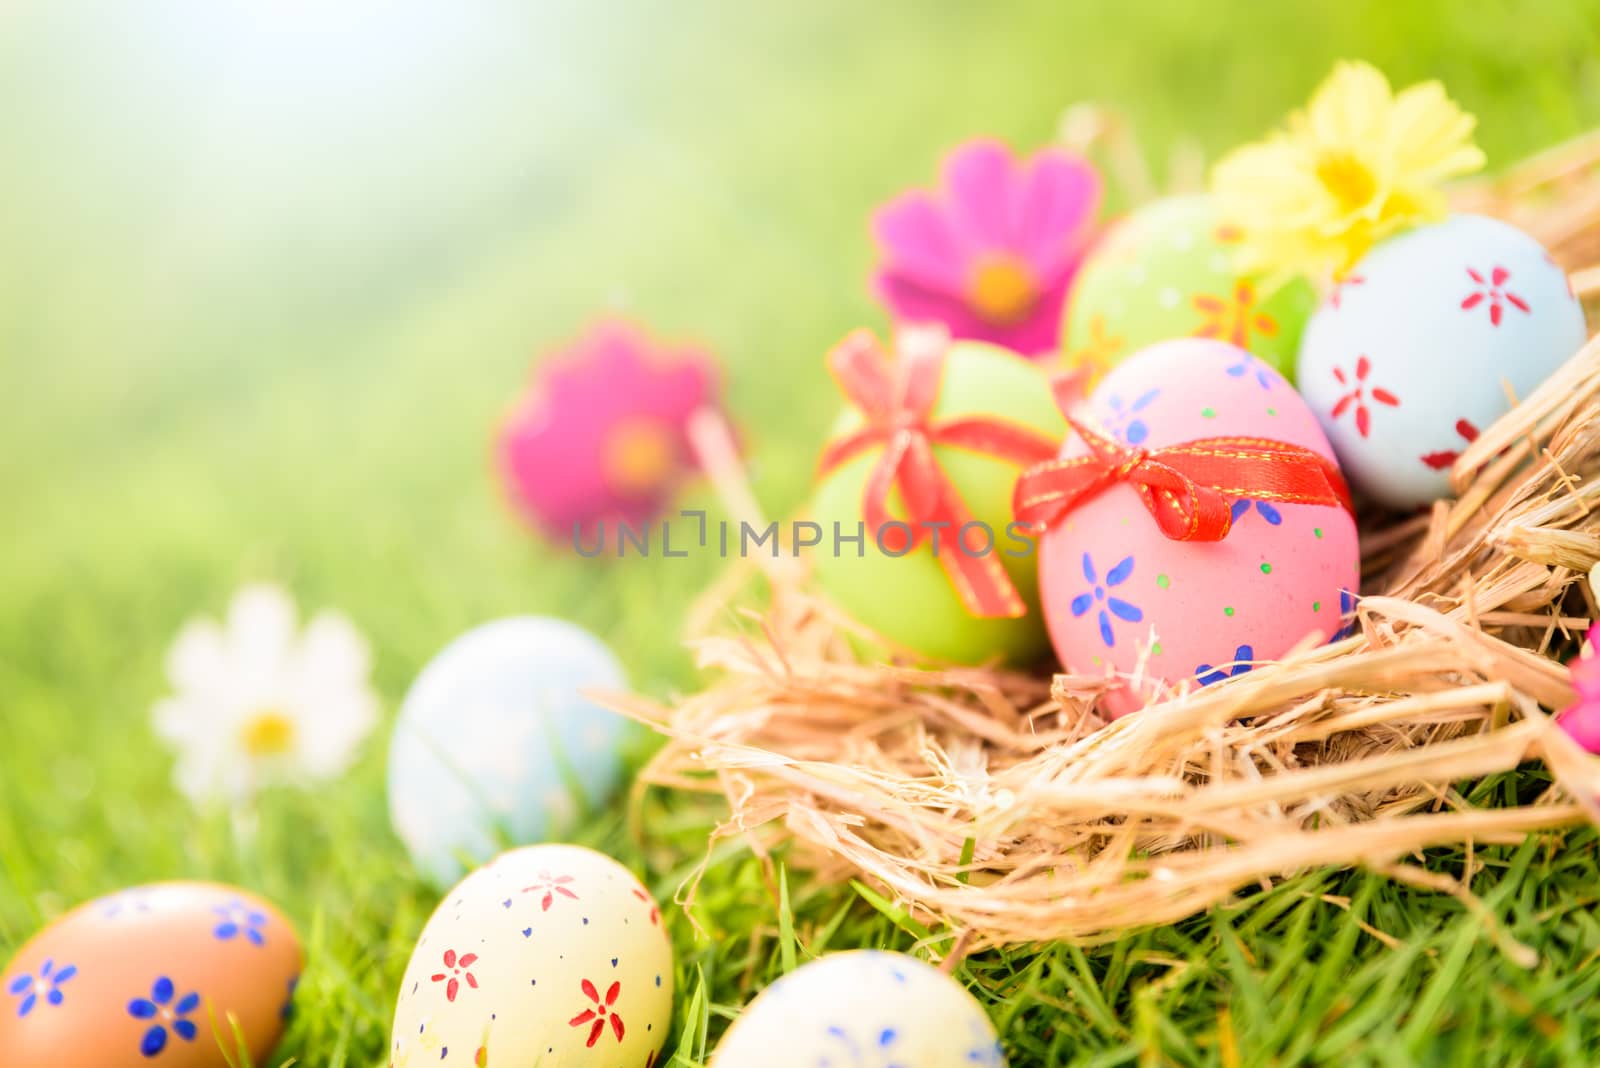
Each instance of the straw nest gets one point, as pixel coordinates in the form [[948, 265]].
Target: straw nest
[[999, 804]]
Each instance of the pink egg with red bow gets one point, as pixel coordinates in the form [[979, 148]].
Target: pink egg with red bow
[[1217, 442]]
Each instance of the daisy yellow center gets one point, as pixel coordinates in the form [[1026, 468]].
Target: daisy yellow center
[[269, 733], [1002, 290], [1347, 179], [639, 455]]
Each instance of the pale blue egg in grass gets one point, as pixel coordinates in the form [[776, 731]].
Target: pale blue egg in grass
[[496, 745]]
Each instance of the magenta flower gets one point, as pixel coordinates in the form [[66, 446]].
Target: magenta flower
[[991, 254], [601, 433], [1582, 719]]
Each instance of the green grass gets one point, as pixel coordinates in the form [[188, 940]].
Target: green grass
[[256, 323]]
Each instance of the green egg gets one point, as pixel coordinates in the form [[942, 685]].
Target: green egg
[[909, 599], [1166, 271]]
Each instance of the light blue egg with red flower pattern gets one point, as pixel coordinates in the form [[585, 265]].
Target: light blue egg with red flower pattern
[[496, 745], [1412, 355], [862, 1009]]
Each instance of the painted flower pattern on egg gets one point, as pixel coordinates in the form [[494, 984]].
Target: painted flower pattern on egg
[[1493, 290], [457, 968], [600, 1013], [549, 953], [141, 976], [1154, 614], [1265, 509], [44, 988], [1242, 656], [1103, 603], [1411, 357], [1355, 401], [549, 886], [1124, 420], [168, 1013], [238, 920]]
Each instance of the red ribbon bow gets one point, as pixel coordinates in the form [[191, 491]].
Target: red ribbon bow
[[1189, 488], [897, 399]]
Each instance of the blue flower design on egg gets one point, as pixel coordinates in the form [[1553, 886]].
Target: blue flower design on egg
[[1248, 364], [1241, 508], [235, 919], [1109, 605], [862, 1055], [1124, 421], [45, 986], [1347, 612], [123, 903], [987, 1052], [1242, 656], [286, 1013], [159, 1007]]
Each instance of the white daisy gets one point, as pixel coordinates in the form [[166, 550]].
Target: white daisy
[[257, 702]]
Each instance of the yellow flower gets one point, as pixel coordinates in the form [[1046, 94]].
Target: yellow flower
[[1358, 164]]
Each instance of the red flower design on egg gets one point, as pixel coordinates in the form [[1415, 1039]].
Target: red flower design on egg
[[1235, 317], [655, 910], [551, 885], [1337, 296], [1446, 457], [456, 970], [1357, 396], [599, 1013], [1492, 289], [601, 433]]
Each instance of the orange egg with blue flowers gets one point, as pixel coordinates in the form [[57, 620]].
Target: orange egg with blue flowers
[[179, 975]]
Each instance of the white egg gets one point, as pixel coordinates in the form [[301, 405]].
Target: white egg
[[494, 737], [862, 1009], [1411, 356], [551, 955]]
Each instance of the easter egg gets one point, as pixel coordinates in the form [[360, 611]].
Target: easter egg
[[1166, 271], [862, 1007], [551, 955], [1123, 599], [151, 975], [1411, 356], [907, 596], [493, 738]]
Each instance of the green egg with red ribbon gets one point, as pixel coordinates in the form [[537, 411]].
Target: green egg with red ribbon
[[918, 541], [1196, 525]]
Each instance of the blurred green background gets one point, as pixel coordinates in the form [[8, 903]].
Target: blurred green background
[[270, 270]]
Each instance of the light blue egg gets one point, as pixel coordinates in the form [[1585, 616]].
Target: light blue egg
[[1409, 358], [493, 737]]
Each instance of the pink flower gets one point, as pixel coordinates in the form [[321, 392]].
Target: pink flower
[[1582, 719], [991, 255], [600, 434]]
